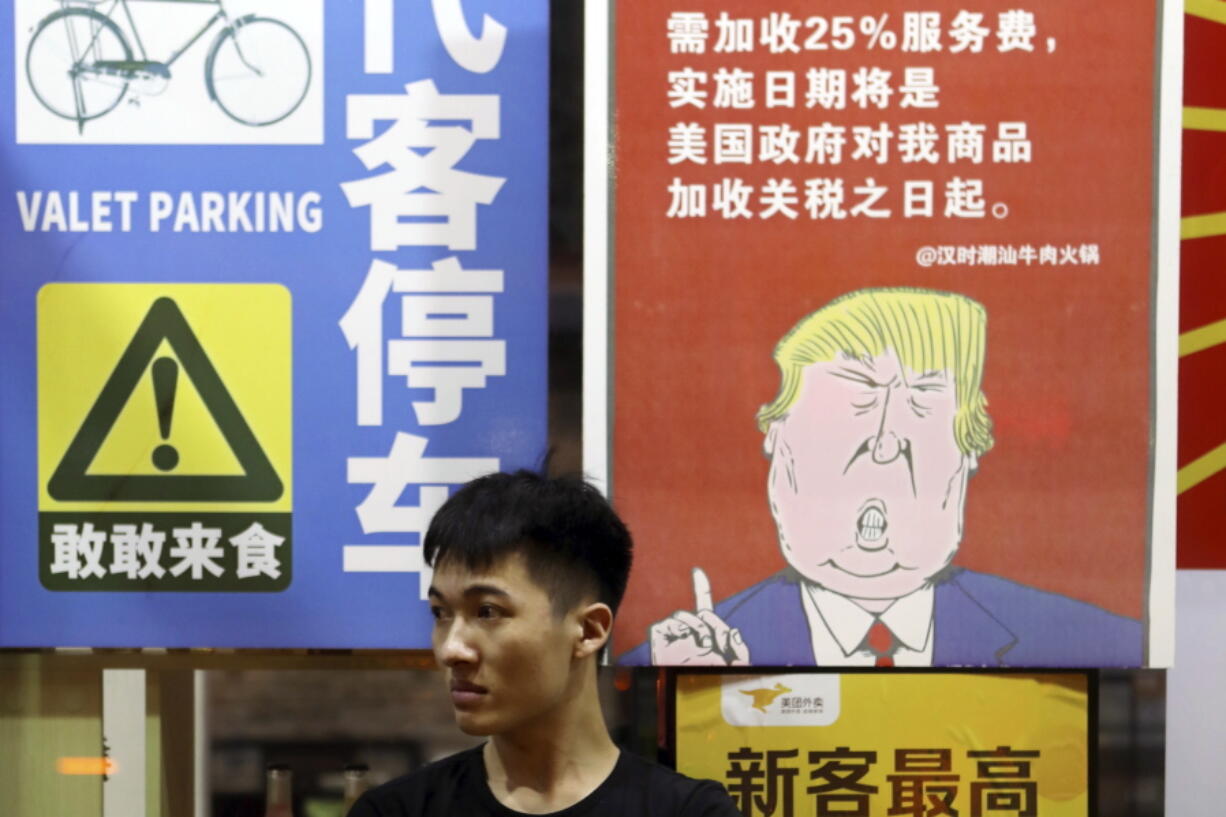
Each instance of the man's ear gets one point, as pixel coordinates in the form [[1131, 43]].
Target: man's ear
[[972, 463], [595, 625], [771, 440]]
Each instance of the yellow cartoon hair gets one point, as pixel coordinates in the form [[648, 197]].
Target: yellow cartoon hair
[[927, 329]]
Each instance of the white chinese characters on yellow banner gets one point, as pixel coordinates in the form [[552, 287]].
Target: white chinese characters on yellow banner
[[901, 744]]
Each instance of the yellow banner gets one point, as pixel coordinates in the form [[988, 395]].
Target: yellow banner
[[889, 744]]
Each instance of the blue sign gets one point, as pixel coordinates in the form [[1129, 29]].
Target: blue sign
[[274, 283]]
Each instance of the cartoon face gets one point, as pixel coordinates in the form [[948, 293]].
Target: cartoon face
[[505, 654], [866, 481]]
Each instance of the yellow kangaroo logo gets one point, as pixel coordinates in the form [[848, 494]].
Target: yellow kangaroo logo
[[765, 696]]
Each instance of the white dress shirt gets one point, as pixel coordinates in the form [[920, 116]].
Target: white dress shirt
[[838, 627]]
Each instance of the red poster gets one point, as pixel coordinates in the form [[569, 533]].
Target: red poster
[[886, 332], [1202, 293]]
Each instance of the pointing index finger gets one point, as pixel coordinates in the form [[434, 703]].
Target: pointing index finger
[[702, 590]]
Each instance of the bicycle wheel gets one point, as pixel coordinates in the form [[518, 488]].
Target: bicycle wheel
[[258, 70], [61, 64]]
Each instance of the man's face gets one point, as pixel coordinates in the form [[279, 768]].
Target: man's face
[[866, 479], [506, 657]]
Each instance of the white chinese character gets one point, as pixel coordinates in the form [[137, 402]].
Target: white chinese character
[[964, 198], [735, 34], [778, 196], [405, 465], [917, 142], [872, 193], [1007, 255], [872, 87], [446, 367], [872, 142], [687, 32], [778, 33], [1088, 253], [1016, 31], [780, 89], [733, 143], [257, 552], [72, 545], [476, 54], [989, 255], [827, 87], [964, 140], [1011, 144], [824, 198], [917, 198], [137, 554], [919, 88], [446, 214], [730, 197], [1047, 254], [687, 142], [945, 255], [378, 44], [362, 323], [196, 550], [777, 143], [733, 89], [1027, 254], [966, 255], [688, 200], [1068, 255], [447, 316], [683, 88], [967, 33], [825, 144], [921, 31]]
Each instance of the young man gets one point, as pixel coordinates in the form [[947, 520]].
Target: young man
[[528, 573]]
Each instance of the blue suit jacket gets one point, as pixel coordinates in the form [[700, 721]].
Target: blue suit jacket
[[979, 620]]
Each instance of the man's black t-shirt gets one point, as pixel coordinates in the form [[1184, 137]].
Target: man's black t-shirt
[[456, 786]]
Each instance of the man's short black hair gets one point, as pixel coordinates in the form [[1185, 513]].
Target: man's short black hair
[[574, 543]]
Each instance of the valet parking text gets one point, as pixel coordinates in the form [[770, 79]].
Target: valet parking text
[[209, 211]]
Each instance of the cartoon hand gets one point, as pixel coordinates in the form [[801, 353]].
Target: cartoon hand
[[700, 637]]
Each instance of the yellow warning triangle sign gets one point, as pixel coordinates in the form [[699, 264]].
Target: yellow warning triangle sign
[[165, 323]]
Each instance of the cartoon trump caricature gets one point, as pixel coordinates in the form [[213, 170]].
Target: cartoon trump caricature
[[878, 427]]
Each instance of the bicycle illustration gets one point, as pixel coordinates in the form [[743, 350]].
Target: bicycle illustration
[[79, 63]]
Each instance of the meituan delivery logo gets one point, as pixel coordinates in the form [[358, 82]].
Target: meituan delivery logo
[[799, 699], [764, 697]]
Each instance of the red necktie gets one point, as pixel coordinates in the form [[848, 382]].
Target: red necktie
[[881, 641]]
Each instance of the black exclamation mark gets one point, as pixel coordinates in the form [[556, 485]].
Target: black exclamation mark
[[165, 378]]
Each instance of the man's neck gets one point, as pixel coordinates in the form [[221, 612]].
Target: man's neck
[[556, 761]]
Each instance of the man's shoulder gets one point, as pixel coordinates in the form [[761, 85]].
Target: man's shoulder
[[1019, 601], [766, 610], [638, 786], [1048, 628], [411, 794], [775, 591], [652, 789]]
